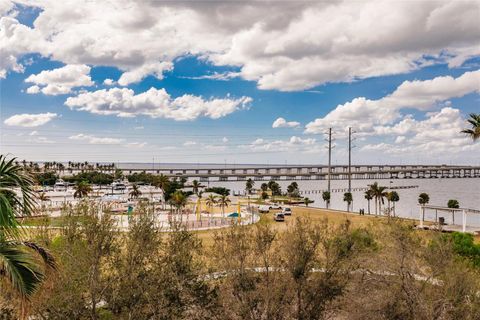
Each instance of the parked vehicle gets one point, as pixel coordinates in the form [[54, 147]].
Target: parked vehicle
[[279, 217], [118, 185], [275, 206], [263, 208], [60, 185], [287, 211]]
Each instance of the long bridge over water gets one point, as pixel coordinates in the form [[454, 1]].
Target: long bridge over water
[[313, 172]]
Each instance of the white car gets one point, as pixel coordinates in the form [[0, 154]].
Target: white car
[[287, 211], [264, 208], [275, 206]]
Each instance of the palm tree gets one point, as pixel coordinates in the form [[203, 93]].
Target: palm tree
[[326, 197], [135, 193], [348, 198], [392, 197], [82, 189], [43, 197], [264, 187], [161, 182], [270, 184], [196, 186], [292, 187], [369, 196], [379, 193], [249, 185], [474, 132], [211, 201], [423, 198], [178, 200], [223, 202], [275, 188], [18, 265]]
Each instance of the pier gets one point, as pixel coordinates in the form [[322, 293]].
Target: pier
[[452, 226]]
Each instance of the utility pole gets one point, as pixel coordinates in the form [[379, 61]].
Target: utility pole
[[349, 159], [329, 157], [350, 147]]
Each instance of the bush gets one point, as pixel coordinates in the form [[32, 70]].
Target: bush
[[141, 177], [220, 190], [93, 177], [464, 245], [46, 178]]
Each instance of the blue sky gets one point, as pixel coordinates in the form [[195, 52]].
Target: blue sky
[[218, 87]]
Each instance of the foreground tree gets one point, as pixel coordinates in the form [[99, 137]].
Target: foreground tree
[[423, 281], [18, 262], [307, 270], [474, 131], [334, 251]]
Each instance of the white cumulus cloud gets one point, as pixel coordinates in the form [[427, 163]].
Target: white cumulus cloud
[[282, 123], [282, 45], [108, 82], [30, 120], [364, 114], [156, 103], [156, 69], [438, 133], [61, 80]]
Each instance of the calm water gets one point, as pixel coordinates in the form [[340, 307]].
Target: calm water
[[466, 191]]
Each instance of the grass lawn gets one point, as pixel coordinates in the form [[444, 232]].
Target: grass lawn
[[314, 214]]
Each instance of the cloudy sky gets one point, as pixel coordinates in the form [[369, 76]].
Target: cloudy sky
[[244, 82]]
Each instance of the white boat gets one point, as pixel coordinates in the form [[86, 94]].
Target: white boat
[[118, 185], [60, 185]]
